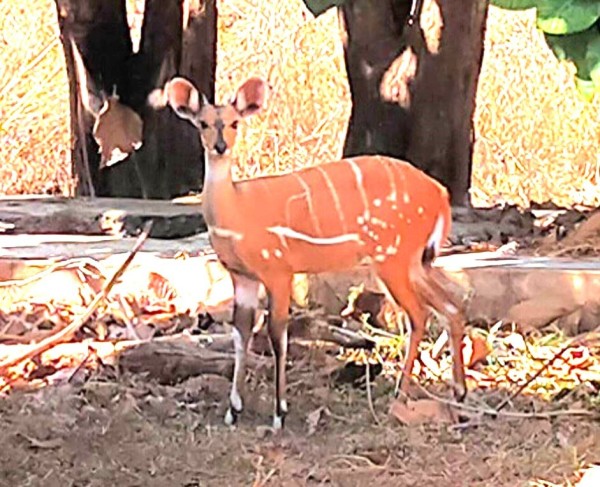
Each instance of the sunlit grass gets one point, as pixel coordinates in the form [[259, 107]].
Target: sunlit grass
[[535, 138]]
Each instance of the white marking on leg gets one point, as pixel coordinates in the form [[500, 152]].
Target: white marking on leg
[[234, 397], [265, 254], [278, 253], [229, 419], [291, 233], [246, 292], [277, 422], [283, 407], [360, 184]]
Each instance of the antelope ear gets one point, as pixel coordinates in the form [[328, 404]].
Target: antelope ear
[[251, 97], [181, 95]]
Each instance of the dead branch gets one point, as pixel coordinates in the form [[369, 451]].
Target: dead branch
[[582, 339], [68, 331], [488, 411]]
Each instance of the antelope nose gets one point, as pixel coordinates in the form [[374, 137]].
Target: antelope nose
[[220, 147]]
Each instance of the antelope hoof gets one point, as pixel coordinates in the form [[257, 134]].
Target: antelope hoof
[[231, 416], [278, 422], [460, 392]]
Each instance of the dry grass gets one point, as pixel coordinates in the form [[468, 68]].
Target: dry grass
[[34, 101], [536, 140]]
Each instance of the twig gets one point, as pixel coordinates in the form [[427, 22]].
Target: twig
[[369, 396], [549, 362], [68, 331], [82, 364], [507, 414], [75, 263]]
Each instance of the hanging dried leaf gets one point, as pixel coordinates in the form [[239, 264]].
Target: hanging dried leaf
[[118, 131]]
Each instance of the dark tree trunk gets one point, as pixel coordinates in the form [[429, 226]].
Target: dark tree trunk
[[414, 98], [170, 160]]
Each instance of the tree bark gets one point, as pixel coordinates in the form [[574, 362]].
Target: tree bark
[[413, 85], [170, 161]]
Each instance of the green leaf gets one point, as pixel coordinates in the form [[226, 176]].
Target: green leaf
[[515, 4], [583, 49], [567, 16], [317, 7], [593, 60]]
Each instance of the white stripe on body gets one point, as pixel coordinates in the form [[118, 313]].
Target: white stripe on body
[[287, 232]]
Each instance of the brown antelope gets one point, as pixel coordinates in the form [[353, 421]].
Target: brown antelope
[[331, 217]]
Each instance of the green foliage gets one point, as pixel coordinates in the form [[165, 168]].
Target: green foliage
[[572, 31], [567, 16], [515, 4], [317, 7]]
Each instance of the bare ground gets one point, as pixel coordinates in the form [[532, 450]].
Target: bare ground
[[123, 430]]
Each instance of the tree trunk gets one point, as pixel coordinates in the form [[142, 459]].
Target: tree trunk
[[170, 159], [413, 85]]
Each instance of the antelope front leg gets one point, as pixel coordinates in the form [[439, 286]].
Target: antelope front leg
[[279, 302], [244, 310]]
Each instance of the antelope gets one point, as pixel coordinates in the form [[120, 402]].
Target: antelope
[[330, 217]]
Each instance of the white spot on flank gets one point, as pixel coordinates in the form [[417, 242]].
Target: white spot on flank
[[278, 253], [391, 250], [379, 248], [379, 258], [377, 202], [381, 223], [265, 254], [406, 198], [420, 210], [291, 233], [360, 220]]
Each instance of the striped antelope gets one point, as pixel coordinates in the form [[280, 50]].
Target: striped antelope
[[369, 209]]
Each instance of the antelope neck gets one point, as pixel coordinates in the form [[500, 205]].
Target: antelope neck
[[219, 190]]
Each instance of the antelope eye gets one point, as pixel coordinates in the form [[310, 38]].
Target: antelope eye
[[234, 125], [203, 125]]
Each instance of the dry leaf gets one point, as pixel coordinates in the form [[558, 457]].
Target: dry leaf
[[475, 350], [422, 411], [118, 131], [313, 419]]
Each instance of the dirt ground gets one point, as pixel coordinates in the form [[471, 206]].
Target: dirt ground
[[124, 430]]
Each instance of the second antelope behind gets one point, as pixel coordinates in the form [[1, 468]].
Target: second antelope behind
[[332, 217]]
